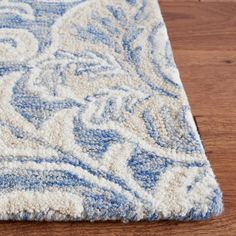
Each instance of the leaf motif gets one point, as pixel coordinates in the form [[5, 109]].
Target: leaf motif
[[52, 72], [113, 104], [133, 39]]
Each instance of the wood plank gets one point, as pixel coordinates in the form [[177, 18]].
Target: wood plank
[[222, 1], [219, 138], [214, 58], [201, 25], [225, 226], [219, 135], [180, 1], [209, 80]]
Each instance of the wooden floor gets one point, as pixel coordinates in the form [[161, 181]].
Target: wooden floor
[[203, 36]]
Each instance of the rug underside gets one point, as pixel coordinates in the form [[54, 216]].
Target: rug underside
[[94, 120]]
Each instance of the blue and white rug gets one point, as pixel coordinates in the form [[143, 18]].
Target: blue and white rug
[[94, 120]]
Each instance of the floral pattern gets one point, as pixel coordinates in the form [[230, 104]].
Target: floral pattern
[[92, 111]]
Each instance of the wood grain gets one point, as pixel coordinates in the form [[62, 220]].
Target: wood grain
[[209, 80], [203, 36], [178, 1], [201, 25]]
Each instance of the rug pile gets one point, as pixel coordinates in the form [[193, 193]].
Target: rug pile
[[94, 120]]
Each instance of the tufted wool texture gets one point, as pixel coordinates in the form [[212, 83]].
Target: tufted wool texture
[[94, 120]]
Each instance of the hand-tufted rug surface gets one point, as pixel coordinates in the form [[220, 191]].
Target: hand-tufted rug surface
[[94, 120]]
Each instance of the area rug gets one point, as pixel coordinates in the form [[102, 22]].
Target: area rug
[[94, 120]]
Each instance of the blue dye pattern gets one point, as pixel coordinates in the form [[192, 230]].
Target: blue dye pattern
[[112, 111], [22, 10], [170, 63], [87, 63], [108, 205], [214, 209], [107, 113], [33, 108], [126, 46], [6, 69], [107, 24], [39, 180], [196, 180], [45, 14], [132, 54], [94, 69], [119, 14], [180, 135], [66, 158], [9, 41], [94, 141], [155, 60], [131, 2], [94, 35], [139, 16], [104, 204], [147, 167]]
